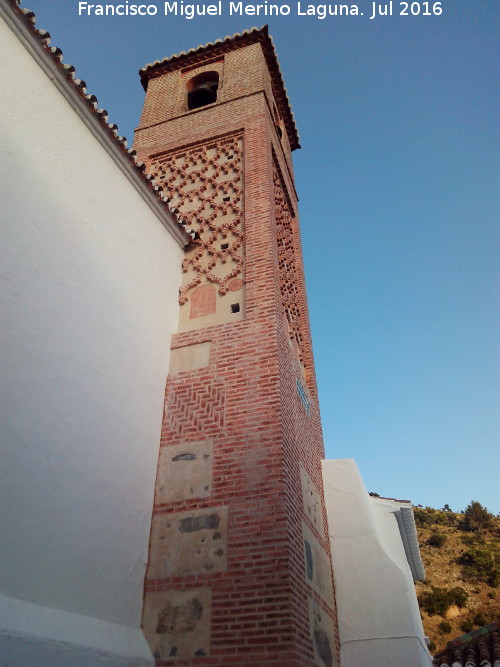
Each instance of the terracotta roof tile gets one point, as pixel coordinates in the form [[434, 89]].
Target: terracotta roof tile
[[479, 648], [218, 48]]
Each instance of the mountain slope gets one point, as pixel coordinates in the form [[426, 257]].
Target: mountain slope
[[461, 554]]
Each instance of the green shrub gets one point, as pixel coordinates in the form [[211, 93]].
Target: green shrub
[[444, 628], [458, 596], [494, 579], [436, 540], [472, 539], [487, 615], [440, 518], [427, 516], [476, 517], [434, 602], [437, 601], [452, 519], [421, 516], [467, 626], [480, 564], [479, 619]]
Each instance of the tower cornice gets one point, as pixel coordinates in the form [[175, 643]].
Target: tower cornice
[[220, 47]]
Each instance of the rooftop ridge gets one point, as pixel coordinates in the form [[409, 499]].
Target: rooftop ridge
[[396, 500], [199, 48], [473, 634], [221, 46], [478, 648]]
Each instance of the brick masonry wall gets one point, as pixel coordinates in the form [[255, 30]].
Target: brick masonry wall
[[239, 569]]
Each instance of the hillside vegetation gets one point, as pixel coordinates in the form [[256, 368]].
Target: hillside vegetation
[[461, 555]]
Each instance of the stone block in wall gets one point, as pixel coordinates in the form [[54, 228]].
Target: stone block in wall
[[189, 357], [188, 543], [321, 629], [184, 472], [312, 502], [318, 569], [177, 623]]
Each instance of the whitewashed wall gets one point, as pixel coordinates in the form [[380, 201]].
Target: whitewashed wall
[[379, 620], [89, 279]]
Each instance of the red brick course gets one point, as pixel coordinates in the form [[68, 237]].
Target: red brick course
[[247, 400]]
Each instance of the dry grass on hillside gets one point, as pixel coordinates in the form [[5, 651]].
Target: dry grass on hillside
[[461, 591]]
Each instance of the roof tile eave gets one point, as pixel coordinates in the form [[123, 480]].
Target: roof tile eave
[[43, 38], [485, 640], [224, 45], [174, 58]]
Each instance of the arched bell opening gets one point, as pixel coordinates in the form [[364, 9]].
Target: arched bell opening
[[202, 89]]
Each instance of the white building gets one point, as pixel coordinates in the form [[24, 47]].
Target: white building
[[376, 559], [90, 268]]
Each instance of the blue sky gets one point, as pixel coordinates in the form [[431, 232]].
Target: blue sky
[[398, 181]]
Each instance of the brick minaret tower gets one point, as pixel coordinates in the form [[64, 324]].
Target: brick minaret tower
[[239, 568]]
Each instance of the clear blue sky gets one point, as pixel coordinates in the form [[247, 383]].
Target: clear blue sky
[[398, 182]]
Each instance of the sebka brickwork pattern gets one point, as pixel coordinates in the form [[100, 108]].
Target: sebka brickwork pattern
[[288, 266], [251, 579], [204, 183]]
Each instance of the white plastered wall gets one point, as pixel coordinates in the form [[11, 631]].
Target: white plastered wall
[[89, 279], [379, 620]]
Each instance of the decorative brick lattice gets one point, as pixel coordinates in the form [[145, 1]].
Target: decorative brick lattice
[[288, 266], [194, 409], [205, 182]]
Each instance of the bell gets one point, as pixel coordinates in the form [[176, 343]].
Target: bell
[[204, 93]]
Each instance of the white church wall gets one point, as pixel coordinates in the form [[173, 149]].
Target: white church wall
[[379, 621], [90, 276]]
